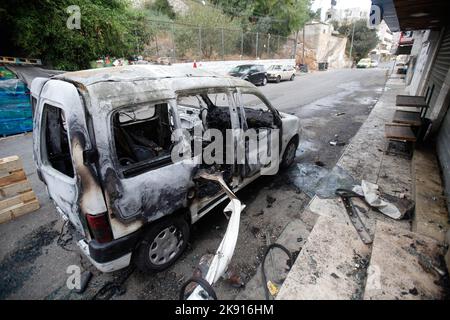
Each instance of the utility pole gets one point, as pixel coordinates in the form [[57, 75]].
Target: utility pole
[[257, 35], [351, 45], [295, 45], [303, 46]]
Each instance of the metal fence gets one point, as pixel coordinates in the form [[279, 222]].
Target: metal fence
[[177, 43]]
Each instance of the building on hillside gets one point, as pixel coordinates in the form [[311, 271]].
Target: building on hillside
[[325, 45], [348, 15]]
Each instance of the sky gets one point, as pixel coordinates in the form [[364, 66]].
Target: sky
[[341, 4]]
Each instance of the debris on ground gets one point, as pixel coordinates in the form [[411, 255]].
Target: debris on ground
[[340, 114], [336, 143], [86, 276], [270, 200], [391, 206]]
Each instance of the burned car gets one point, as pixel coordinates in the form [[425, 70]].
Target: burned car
[[104, 141]]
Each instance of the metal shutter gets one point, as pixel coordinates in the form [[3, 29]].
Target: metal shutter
[[440, 68], [443, 150]]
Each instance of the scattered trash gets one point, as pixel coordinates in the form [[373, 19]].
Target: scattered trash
[[273, 289], [316, 180], [337, 143], [393, 207], [353, 214], [233, 278], [413, 291], [340, 114], [259, 213], [270, 200]]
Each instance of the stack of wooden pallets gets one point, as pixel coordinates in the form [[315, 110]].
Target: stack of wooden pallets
[[16, 195]]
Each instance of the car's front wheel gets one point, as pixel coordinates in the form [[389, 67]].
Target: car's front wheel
[[278, 79], [289, 154], [292, 77], [264, 81], [162, 244]]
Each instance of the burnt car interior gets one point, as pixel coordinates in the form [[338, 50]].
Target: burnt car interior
[[210, 111], [56, 139], [142, 137]]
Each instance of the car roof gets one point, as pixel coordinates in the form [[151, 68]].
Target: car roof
[[115, 86]]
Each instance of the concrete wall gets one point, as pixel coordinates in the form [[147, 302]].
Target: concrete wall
[[326, 46]]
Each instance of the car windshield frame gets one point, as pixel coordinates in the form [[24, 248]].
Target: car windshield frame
[[241, 68]]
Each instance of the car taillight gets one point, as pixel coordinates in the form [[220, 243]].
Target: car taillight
[[100, 228]]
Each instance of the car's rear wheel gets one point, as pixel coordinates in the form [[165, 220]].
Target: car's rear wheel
[[292, 77], [162, 244], [278, 79]]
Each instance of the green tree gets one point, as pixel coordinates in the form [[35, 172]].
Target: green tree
[[364, 41], [208, 22], [162, 7], [283, 16], [108, 27]]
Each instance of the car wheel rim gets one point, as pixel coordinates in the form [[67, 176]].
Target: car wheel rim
[[264, 81], [166, 245]]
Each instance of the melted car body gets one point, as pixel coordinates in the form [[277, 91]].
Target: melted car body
[[103, 142]]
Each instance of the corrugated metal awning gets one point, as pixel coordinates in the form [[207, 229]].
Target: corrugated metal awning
[[407, 15]]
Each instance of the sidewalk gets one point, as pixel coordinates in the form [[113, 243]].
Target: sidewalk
[[334, 263]]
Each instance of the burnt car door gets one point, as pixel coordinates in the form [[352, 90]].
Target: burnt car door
[[60, 138], [261, 127]]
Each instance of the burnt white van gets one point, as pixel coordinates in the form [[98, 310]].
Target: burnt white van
[[103, 140]]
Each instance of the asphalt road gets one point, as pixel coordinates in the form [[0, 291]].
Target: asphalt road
[[332, 105]]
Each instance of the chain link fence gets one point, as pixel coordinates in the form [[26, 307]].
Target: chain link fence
[[174, 42]]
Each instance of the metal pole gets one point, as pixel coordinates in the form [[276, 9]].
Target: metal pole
[[157, 49], [278, 44], [223, 48], [303, 54], [295, 45], [257, 35], [351, 45], [268, 45], [200, 42], [173, 44]]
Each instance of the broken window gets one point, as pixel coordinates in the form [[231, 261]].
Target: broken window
[[56, 140], [257, 113], [209, 110], [142, 136]]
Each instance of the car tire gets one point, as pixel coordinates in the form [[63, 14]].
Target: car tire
[[162, 244], [264, 82], [278, 79], [289, 154], [292, 77]]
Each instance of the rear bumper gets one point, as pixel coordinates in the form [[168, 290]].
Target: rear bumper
[[111, 256]]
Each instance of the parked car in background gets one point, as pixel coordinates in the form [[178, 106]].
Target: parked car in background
[[364, 63], [278, 72], [254, 73], [374, 64]]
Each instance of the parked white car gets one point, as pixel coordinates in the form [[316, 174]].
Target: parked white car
[[278, 72]]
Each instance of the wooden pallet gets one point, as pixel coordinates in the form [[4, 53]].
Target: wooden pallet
[[16, 195]]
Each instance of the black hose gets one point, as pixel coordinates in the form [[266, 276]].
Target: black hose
[[263, 272], [202, 283]]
